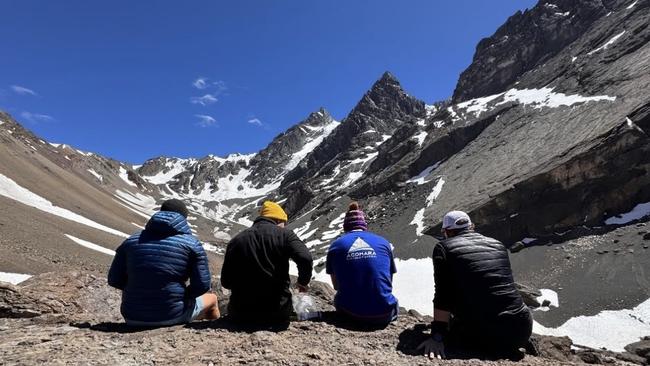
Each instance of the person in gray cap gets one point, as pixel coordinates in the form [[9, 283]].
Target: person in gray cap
[[477, 308]]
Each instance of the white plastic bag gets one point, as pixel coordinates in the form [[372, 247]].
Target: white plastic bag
[[303, 305]]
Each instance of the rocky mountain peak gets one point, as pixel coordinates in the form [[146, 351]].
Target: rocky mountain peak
[[387, 95], [526, 40], [319, 118]]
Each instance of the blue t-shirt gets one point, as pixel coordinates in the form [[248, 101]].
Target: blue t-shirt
[[363, 265]]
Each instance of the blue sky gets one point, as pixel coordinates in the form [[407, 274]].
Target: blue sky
[[119, 77]]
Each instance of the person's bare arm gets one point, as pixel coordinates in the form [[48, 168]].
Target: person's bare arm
[[335, 283]]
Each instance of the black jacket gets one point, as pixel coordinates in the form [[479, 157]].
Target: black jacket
[[256, 269], [473, 278]]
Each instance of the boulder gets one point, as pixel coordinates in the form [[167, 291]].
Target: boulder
[[555, 348], [529, 295], [640, 348], [517, 247], [66, 295]]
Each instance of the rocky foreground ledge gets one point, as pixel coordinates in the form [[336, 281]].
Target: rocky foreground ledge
[[73, 318]]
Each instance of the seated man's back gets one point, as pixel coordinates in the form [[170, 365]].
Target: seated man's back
[[152, 268], [475, 286], [361, 266], [256, 269], [481, 279]]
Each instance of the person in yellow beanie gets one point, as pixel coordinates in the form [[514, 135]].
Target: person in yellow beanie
[[256, 269], [272, 210]]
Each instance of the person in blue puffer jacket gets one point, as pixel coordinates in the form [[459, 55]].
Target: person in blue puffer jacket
[[152, 269]]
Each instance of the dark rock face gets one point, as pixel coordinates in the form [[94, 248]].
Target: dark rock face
[[278, 157], [525, 41], [380, 112]]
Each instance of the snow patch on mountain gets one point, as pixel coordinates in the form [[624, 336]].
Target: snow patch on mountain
[[639, 211], [336, 228], [97, 175], [90, 245], [418, 218], [478, 105], [13, 278], [14, 191], [422, 177], [437, 189], [418, 221], [237, 186], [549, 295], [141, 204], [545, 97], [607, 44], [311, 143], [172, 168], [125, 177], [358, 168], [420, 137]]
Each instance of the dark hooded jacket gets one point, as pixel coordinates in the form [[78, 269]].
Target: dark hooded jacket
[[152, 269]]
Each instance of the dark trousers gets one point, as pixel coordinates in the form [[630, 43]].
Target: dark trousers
[[380, 321], [500, 337], [264, 310]]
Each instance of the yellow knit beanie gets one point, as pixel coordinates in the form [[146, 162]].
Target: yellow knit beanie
[[272, 210]]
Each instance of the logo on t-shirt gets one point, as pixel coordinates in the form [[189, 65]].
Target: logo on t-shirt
[[360, 250]]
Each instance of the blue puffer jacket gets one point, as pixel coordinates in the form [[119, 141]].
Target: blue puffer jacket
[[152, 268]]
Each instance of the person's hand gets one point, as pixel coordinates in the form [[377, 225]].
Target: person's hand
[[302, 288], [433, 348]]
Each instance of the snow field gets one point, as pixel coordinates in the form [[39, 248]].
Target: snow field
[[610, 329], [13, 278]]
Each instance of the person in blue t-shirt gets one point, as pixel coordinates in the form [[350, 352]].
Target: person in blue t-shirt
[[361, 266]]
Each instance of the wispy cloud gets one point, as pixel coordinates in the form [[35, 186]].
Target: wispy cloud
[[205, 120], [255, 121], [35, 117], [200, 83], [204, 100], [21, 90], [220, 87]]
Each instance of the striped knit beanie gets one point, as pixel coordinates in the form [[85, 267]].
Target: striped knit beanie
[[355, 219]]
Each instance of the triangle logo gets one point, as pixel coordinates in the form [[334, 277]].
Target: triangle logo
[[360, 250]]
